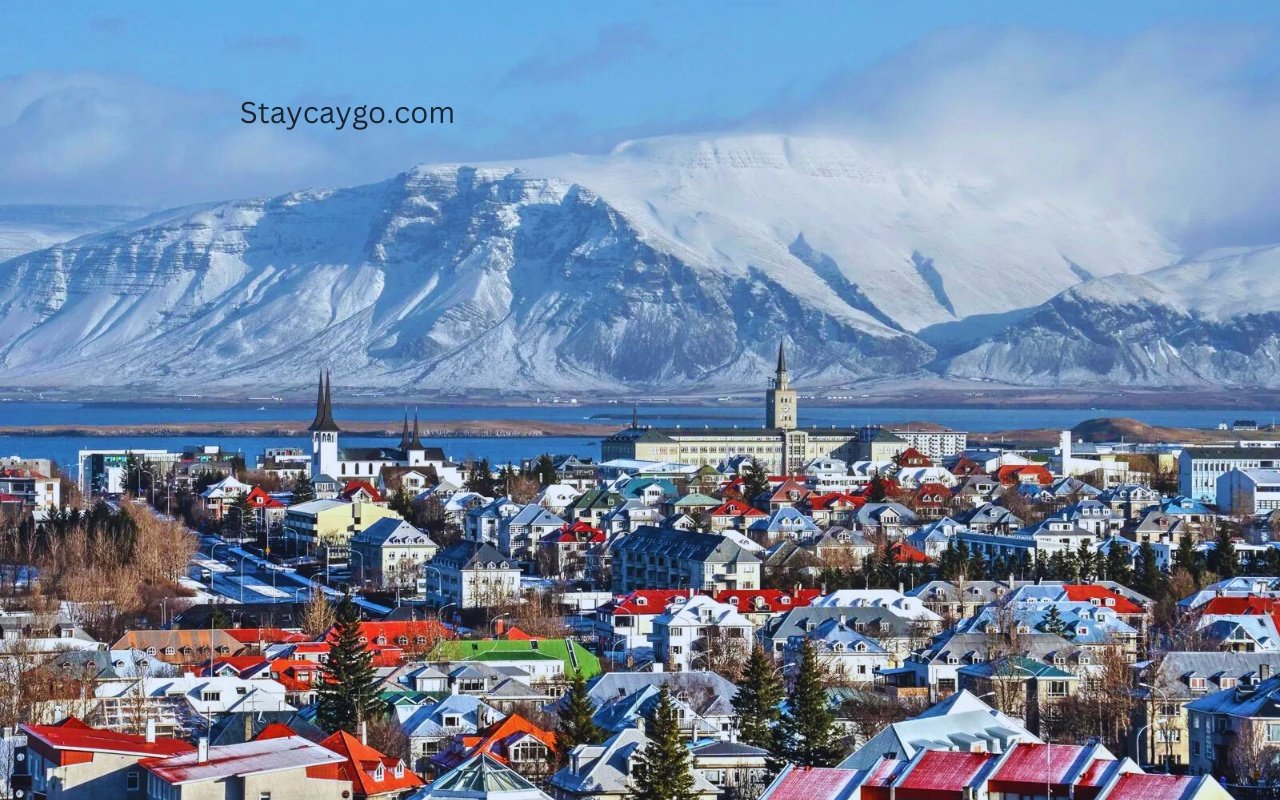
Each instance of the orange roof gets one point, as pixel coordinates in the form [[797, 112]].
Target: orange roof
[[1086, 592], [1016, 473], [363, 764], [822, 502], [493, 740], [355, 486], [903, 553], [268, 635]]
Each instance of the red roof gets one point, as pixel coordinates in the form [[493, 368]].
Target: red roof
[[823, 502], [72, 734], [577, 531], [813, 783], [353, 487], [1028, 764], [1017, 473], [493, 740], [644, 601], [268, 635], [772, 600], [912, 457], [942, 771], [1087, 592], [258, 498], [736, 508], [1137, 786], [903, 553], [362, 766]]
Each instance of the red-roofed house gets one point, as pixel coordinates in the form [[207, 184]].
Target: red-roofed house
[[1013, 474], [758, 605], [30, 488], [912, 457], [789, 494], [565, 553], [373, 776], [903, 553], [72, 760], [734, 513], [514, 742], [625, 622], [941, 775], [255, 640], [391, 642], [361, 491], [930, 501], [833, 508], [267, 510]]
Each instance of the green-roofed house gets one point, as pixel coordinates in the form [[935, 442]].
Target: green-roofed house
[[694, 504], [1019, 686], [542, 659]]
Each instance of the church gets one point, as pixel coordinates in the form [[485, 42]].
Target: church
[[339, 464]]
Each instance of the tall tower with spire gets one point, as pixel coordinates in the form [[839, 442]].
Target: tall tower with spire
[[324, 432], [780, 399]]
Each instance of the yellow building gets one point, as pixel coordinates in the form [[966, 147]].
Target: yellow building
[[332, 522]]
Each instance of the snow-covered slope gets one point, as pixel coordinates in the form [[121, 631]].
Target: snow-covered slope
[[669, 263], [25, 228], [1212, 321]]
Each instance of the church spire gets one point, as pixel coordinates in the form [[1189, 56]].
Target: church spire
[[782, 358], [404, 431], [416, 442], [324, 406]]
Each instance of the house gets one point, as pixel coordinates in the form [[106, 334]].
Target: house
[[331, 523], [373, 775], [700, 630], [31, 489], [513, 741], [897, 633], [1234, 719], [757, 605], [1169, 683], [518, 535], [605, 771], [481, 778], [268, 511], [1248, 492], [279, 765], [180, 647], [1200, 467], [429, 725], [734, 768], [567, 552], [734, 513], [484, 523], [849, 657], [892, 520], [390, 554], [703, 701], [71, 760], [181, 700], [475, 574], [540, 659], [1023, 687], [662, 558], [625, 623], [557, 497], [989, 518], [786, 522], [960, 722]]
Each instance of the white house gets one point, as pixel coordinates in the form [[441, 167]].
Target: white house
[[1249, 491], [697, 630]]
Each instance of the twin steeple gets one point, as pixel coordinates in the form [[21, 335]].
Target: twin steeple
[[324, 407], [411, 441]]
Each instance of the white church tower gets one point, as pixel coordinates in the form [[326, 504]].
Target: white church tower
[[324, 433]]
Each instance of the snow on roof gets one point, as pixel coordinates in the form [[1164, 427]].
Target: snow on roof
[[249, 758]]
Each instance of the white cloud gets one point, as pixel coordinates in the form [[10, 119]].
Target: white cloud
[[1178, 125]]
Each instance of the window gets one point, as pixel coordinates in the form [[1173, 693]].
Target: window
[[133, 780], [1057, 688], [264, 795], [1273, 732]]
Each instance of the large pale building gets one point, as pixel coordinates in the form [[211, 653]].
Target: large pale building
[[781, 445]]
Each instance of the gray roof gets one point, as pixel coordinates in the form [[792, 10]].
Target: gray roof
[[465, 554], [393, 530], [878, 622], [718, 691], [1177, 667], [1262, 700], [705, 547]]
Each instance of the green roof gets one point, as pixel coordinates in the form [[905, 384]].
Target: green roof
[[1017, 667], [697, 499], [574, 655]]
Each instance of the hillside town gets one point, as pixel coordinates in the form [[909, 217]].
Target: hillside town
[[702, 613]]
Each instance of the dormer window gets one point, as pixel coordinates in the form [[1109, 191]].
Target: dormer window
[[379, 773], [1197, 683], [1226, 682], [1082, 631], [1111, 601]]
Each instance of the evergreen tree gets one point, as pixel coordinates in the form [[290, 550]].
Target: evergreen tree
[[545, 470], [661, 770], [401, 502], [1053, 622], [1117, 567], [348, 694], [480, 480], [877, 490], [1147, 577], [576, 725], [1222, 558], [304, 491], [757, 701], [1187, 558], [807, 735], [755, 480]]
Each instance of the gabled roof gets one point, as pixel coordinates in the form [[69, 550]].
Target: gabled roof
[[72, 734], [262, 755], [362, 766], [482, 777]]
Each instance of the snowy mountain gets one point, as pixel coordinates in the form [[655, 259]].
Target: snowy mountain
[[24, 228], [1212, 321], [672, 263]]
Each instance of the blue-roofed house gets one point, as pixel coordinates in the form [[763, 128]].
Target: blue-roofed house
[[784, 523], [846, 654], [431, 725]]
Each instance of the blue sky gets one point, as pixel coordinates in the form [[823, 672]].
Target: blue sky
[[139, 103]]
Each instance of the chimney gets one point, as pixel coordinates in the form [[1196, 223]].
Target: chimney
[[202, 750], [575, 761], [151, 731], [364, 732]]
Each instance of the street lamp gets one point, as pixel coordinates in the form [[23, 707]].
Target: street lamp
[[1137, 739], [439, 578], [440, 612], [1048, 739]]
